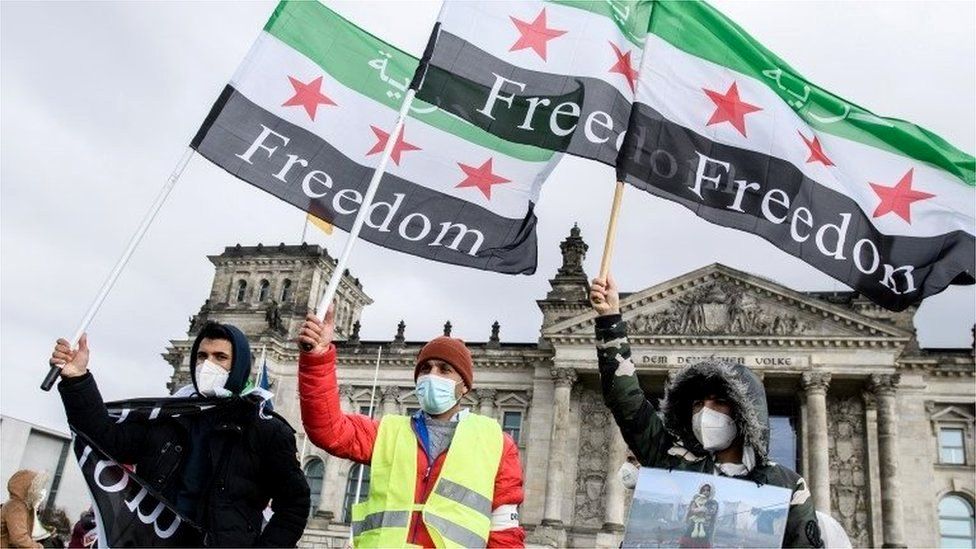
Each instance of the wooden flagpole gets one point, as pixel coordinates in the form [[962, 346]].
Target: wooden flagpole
[[52, 374], [618, 194]]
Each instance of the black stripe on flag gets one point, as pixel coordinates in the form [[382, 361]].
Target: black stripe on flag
[[253, 145], [798, 215], [578, 115]]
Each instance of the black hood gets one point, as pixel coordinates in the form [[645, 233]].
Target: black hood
[[240, 367], [733, 382]]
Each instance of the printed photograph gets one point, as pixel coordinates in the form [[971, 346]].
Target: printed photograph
[[684, 509]]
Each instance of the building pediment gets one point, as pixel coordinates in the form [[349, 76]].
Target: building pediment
[[718, 302]]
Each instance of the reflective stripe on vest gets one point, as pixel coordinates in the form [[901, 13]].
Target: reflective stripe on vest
[[460, 494], [459, 535], [457, 512], [383, 519]]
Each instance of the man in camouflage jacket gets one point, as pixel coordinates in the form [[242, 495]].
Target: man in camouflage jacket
[[668, 439]]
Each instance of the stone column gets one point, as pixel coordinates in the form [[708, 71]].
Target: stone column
[[872, 466], [391, 393], [556, 483], [614, 491], [815, 384], [486, 401], [892, 518]]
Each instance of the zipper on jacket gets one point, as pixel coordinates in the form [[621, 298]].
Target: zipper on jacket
[[416, 525], [430, 467]]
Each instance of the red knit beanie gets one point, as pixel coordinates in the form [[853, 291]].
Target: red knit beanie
[[450, 350]]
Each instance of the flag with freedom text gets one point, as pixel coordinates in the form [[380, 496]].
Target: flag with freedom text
[[306, 118], [557, 74], [724, 127]]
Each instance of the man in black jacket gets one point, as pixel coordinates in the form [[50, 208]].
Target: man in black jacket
[[220, 467], [713, 418]]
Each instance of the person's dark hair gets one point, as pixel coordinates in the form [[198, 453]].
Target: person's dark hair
[[214, 330]]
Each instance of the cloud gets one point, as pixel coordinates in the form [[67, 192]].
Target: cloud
[[99, 100]]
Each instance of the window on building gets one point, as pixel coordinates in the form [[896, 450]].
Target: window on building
[[512, 424], [364, 410], [951, 446], [956, 523], [264, 290], [241, 291], [351, 486], [314, 473], [286, 290], [782, 441], [411, 410]]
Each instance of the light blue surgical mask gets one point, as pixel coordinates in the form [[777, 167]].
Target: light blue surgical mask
[[436, 394]]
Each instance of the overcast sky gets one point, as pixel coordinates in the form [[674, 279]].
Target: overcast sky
[[99, 101]]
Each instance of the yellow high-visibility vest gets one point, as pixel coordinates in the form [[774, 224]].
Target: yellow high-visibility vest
[[458, 510]]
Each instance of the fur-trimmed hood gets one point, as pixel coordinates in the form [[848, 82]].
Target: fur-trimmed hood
[[26, 486], [734, 382]]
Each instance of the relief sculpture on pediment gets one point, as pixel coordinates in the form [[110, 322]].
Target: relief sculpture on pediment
[[718, 308]]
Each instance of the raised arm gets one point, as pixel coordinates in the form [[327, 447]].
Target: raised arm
[[349, 436], [639, 423], [85, 408]]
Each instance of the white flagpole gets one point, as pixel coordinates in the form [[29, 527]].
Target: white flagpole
[[305, 228], [113, 276], [357, 225], [261, 368], [372, 394], [301, 460]]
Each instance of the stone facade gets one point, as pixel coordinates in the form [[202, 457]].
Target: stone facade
[[861, 406]]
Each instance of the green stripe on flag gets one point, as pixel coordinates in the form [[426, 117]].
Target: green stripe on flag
[[630, 16], [700, 30], [345, 51]]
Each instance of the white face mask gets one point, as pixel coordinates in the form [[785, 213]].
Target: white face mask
[[714, 430], [628, 475], [211, 379]]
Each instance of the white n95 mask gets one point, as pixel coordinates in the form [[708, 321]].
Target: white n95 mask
[[714, 430], [211, 379], [628, 475]]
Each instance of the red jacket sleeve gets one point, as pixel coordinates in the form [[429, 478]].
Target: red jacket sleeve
[[348, 436], [508, 491]]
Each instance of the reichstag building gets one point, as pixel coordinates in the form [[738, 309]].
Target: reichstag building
[[881, 429]]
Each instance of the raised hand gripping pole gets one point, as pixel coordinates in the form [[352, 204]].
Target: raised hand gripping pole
[[52, 374], [357, 225]]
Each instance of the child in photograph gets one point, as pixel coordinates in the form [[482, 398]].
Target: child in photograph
[[700, 519]]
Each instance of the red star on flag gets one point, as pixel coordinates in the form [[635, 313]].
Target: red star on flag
[[899, 198], [399, 147], [729, 108], [534, 35], [623, 66], [308, 95], [480, 177], [817, 153]]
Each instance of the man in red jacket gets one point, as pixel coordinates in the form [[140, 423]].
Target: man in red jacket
[[442, 477]]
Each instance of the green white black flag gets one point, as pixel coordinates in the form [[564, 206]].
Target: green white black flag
[[306, 118], [723, 126]]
